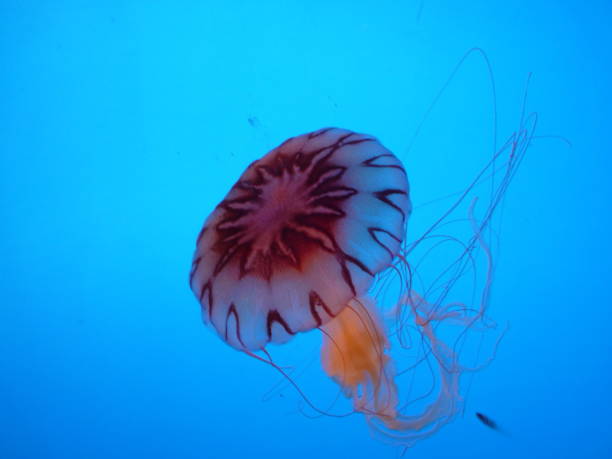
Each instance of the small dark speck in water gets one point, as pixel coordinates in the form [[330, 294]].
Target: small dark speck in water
[[253, 121], [487, 421]]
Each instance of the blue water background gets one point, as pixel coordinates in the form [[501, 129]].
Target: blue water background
[[124, 123]]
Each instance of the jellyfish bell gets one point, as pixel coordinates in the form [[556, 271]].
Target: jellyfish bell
[[304, 231], [297, 243]]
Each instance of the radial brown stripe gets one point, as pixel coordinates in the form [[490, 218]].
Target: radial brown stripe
[[230, 311], [274, 316], [315, 300], [383, 196]]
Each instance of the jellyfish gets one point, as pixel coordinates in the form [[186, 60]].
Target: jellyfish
[[298, 244]]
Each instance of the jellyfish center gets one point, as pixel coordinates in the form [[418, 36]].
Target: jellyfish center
[[285, 217], [281, 200]]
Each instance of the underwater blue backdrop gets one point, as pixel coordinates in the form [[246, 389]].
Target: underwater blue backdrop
[[123, 123]]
